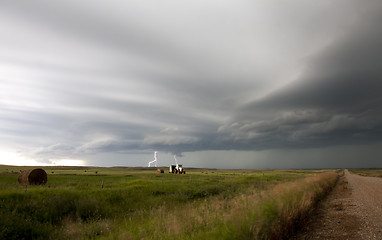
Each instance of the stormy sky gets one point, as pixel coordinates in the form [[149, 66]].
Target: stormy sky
[[223, 84]]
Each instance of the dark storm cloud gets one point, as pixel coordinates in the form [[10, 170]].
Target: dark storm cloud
[[83, 78], [137, 82], [336, 101]]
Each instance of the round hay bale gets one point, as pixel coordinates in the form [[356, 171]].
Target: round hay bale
[[33, 177], [160, 170]]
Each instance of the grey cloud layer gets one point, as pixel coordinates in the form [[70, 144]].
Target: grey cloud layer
[[84, 77], [336, 101]]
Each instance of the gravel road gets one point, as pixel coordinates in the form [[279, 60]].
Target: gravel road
[[367, 197], [353, 211]]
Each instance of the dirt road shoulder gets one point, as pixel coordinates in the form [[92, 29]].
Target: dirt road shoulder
[[367, 196], [335, 218]]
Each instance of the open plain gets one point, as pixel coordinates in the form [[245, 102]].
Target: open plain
[[140, 203]]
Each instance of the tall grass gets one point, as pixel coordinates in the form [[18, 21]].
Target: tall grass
[[134, 204], [265, 214]]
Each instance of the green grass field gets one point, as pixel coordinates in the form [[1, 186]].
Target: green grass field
[[138, 203]]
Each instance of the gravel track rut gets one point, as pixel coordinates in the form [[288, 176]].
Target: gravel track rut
[[367, 197]]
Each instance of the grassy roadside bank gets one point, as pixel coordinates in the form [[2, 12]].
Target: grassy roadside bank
[[256, 214]]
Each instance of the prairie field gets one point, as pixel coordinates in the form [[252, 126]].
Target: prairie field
[[138, 203], [367, 172]]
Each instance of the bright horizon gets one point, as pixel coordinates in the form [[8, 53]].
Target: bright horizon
[[14, 159]]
